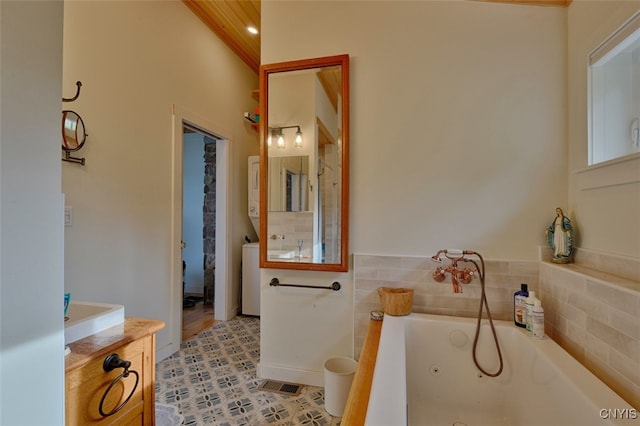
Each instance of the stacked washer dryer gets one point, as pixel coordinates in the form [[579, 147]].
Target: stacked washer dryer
[[251, 251]]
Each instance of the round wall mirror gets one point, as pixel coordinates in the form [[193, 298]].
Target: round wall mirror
[[73, 132]]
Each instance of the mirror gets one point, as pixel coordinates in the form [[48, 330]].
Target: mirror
[[304, 169], [73, 134], [289, 184]]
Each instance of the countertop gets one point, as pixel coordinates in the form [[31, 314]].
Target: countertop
[[103, 343]]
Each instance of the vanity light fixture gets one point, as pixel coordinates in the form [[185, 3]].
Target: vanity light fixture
[[281, 140], [272, 134], [298, 141], [278, 133]]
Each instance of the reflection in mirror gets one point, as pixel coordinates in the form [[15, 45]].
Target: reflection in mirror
[[288, 184], [73, 134], [304, 164]]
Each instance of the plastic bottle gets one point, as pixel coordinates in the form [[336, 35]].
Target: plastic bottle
[[537, 320], [520, 307], [530, 301]]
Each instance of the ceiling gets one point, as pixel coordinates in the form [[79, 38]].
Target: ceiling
[[229, 20]]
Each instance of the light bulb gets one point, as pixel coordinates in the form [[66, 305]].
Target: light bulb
[[281, 141], [298, 143]]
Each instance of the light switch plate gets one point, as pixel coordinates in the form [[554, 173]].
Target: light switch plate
[[68, 215]]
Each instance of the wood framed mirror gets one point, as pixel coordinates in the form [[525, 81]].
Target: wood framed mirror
[[304, 164]]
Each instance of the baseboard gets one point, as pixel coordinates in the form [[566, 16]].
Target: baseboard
[[166, 352], [291, 375]]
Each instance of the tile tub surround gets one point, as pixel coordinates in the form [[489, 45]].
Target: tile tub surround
[[503, 279], [592, 314], [595, 316]]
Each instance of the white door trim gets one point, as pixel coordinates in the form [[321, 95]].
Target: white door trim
[[222, 290], [223, 308]]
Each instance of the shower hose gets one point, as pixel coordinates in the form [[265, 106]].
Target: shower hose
[[484, 303]]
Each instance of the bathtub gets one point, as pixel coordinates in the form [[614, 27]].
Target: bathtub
[[425, 375]]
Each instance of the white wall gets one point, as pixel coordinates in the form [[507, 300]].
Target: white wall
[[604, 201], [458, 139], [31, 236], [136, 60], [458, 114]]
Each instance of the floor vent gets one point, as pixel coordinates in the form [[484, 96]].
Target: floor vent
[[280, 387]]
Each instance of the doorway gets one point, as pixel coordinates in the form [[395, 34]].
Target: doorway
[[198, 229], [222, 306]]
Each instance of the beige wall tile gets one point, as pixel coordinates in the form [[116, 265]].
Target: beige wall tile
[[496, 267], [625, 323], [368, 284], [523, 268], [569, 345], [621, 299], [624, 365], [573, 315], [622, 266], [597, 348], [417, 263], [569, 280], [402, 275], [366, 273], [576, 333], [377, 261], [623, 343], [588, 305]]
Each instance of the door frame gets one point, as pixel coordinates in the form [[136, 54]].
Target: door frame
[[223, 309]]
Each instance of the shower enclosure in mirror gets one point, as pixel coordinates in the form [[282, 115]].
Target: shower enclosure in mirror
[[304, 168]]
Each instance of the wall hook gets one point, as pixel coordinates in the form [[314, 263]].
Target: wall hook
[[78, 86]]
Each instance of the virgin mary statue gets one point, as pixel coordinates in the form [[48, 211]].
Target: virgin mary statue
[[560, 237]]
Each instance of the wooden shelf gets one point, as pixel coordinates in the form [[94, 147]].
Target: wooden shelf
[[255, 124]]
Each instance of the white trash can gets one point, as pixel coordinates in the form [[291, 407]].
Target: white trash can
[[338, 375]]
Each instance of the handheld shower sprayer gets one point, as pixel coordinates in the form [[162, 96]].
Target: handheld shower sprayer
[[436, 257], [465, 276], [449, 254], [454, 252]]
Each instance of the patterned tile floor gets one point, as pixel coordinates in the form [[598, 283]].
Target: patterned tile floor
[[212, 380]]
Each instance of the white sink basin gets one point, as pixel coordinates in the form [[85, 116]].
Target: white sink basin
[[87, 318], [281, 254]]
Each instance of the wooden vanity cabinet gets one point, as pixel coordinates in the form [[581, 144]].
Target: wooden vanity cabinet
[[86, 381]]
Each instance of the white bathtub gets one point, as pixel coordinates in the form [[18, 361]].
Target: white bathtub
[[425, 375]]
